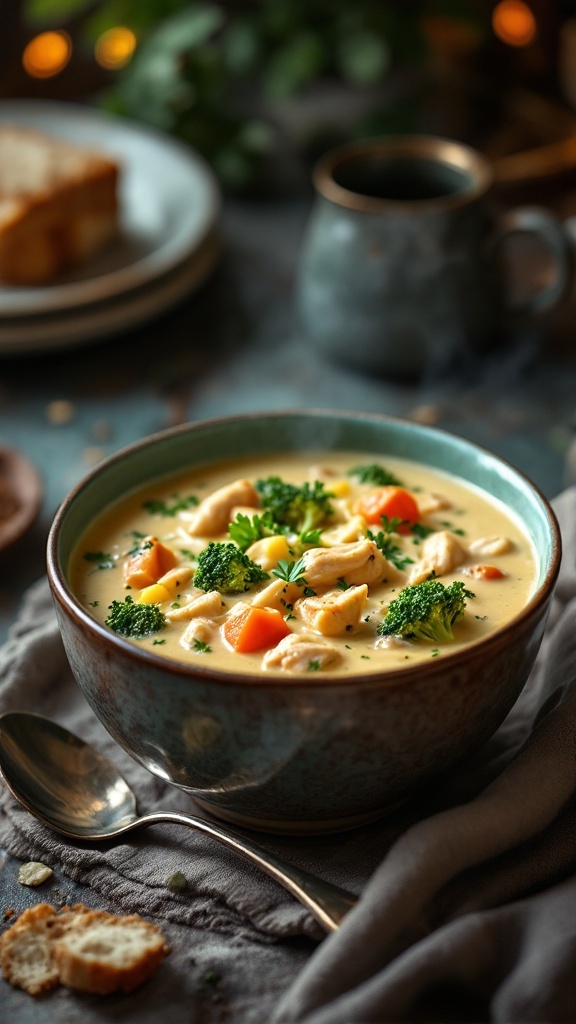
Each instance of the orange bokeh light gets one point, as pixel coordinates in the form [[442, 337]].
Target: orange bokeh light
[[514, 23], [47, 54], [115, 48]]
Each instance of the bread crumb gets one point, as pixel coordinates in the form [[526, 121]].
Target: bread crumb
[[83, 949], [60, 411], [93, 455], [101, 430], [425, 414], [177, 882], [34, 873]]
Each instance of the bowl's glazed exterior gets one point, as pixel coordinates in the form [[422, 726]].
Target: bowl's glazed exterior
[[283, 753]]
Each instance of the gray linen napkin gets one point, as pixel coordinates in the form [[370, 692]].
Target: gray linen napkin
[[468, 908]]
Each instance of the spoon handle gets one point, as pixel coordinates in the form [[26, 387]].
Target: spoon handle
[[328, 903]]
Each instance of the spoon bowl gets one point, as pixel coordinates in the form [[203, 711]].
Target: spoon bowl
[[76, 791]]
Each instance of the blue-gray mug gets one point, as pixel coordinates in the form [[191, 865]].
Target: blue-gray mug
[[403, 262]]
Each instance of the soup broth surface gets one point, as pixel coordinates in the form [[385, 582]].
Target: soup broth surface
[[329, 588]]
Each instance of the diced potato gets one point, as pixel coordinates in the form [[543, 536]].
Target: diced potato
[[341, 488], [268, 551], [154, 594]]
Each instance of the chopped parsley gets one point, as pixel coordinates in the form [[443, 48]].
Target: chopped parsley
[[201, 647], [390, 549], [420, 531], [246, 530], [375, 474], [158, 507], [100, 559], [290, 572]]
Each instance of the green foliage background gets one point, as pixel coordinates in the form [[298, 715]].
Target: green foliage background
[[197, 62]]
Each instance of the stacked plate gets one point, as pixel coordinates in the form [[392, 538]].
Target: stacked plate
[[168, 244]]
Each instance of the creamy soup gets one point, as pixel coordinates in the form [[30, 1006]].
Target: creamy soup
[[297, 563]]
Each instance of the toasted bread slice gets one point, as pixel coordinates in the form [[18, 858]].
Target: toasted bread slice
[[58, 205], [90, 950]]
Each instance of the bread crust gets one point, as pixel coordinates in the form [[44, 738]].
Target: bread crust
[[89, 950]]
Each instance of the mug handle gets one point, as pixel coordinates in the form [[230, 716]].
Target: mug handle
[[537, 221]]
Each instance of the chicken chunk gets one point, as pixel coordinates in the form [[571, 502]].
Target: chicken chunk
[[442, 552], [345, 533], [489, 546], [212, 515], [300, 653], [428, 504], [198, 632], [209, 605], [335, 613], [358, 562], [278, 594]]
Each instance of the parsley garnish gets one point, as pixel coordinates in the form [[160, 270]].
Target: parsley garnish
[[454, 529], [246, 530], [290, 572], [391, 551], [102, 560], [158, 507], [201, 648], [314, 665], [375, 474], [141, 547], [421, 531]]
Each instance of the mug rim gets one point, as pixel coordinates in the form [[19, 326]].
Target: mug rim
[[449, 152]]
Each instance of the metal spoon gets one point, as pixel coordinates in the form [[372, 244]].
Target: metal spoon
[[77, 792]]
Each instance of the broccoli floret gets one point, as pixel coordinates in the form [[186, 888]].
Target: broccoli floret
[[300, 508], [135, 620], [426, 611], [224, 567]]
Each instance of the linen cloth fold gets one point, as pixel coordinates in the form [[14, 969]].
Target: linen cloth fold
[[468, 893]]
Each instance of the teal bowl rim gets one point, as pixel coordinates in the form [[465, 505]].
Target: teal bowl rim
[[432, 436]]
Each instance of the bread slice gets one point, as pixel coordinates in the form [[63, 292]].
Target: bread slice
[[58, 205], [90, 950]]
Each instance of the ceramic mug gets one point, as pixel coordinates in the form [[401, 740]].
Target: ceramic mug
[[403, 266]]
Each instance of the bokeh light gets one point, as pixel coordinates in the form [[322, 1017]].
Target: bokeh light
[[114, 48], [47, 54], [514, 23]]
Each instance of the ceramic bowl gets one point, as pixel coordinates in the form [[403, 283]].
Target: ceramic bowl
[[291, 754]]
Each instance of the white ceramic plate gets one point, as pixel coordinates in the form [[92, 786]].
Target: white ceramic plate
[[170, 203], [73, 327]]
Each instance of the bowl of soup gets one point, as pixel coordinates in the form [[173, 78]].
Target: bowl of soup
[[300, 618]]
